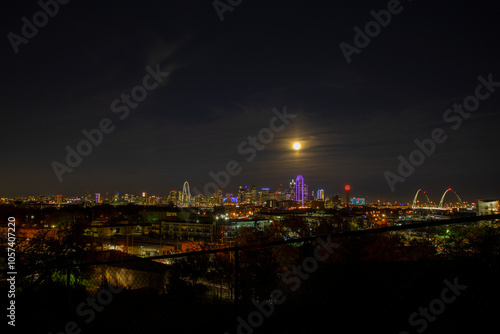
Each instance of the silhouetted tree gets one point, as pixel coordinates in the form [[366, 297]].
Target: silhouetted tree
[[44, 253]]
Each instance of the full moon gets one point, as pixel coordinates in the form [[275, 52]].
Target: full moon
[[296, 146]]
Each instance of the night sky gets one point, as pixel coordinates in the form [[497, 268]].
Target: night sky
[[224, 80]]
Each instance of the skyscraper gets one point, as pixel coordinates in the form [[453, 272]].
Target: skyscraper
[[281, 193], [291, 191], [320, 195], [241, 193], [254, 194], [87, 197], [299, 189], [265, 194]]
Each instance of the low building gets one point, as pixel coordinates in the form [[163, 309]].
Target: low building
[[131, 274], [487, 207], [187, 229], [123, 228]]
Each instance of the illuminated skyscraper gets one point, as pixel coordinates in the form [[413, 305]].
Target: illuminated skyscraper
[[218, 197], [248, 196], [337, 200], [299, 189], [320, 196], [241, 193], [173, 197], [291, 192], [87, 197], [281, 193], [254, 194], [265, 195]]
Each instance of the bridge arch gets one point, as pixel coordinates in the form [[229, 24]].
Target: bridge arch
[[442, 198], [186, 195], [414, 205]]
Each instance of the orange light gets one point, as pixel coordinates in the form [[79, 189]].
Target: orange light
[[347, 187]]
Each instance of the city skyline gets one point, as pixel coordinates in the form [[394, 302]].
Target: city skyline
[[283, 191]]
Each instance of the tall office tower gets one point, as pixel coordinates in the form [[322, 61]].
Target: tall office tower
[[242, 191], [87, 197], [248, 196], [97, 197], [320, 195], [218, 197], [299, 189], [337, 200], [281, 193], [306, 193], [265, 195], [172, 197], [254, 194], [291, 190]]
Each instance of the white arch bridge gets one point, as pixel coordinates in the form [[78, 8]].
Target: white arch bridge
[[417, 205]]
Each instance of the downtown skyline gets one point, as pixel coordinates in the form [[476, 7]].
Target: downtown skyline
[[282, 191]]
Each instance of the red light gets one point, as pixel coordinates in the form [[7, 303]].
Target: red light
[[347, 187], [449, 188]]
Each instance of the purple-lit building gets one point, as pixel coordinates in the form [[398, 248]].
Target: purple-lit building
[[299, 189]]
